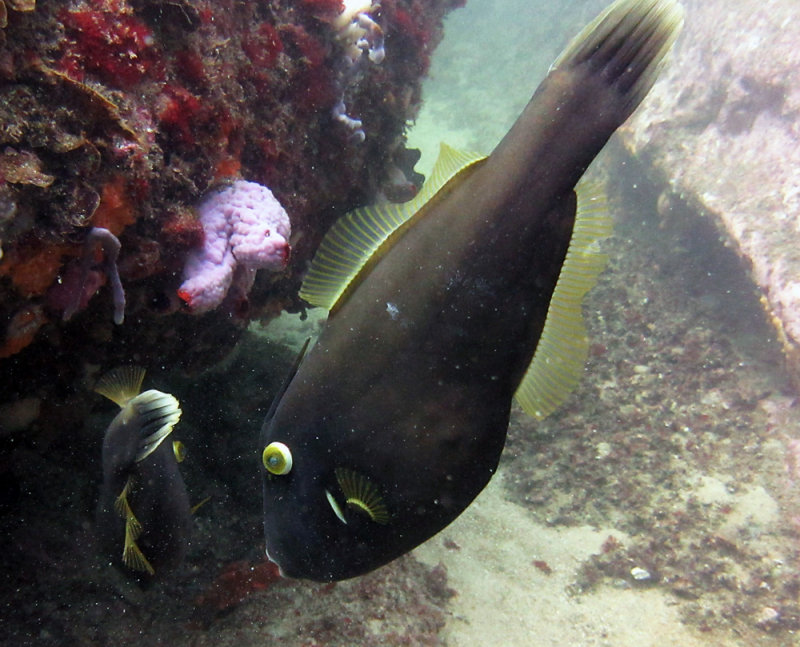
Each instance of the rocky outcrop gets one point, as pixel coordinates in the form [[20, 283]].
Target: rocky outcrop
[[721, 130]]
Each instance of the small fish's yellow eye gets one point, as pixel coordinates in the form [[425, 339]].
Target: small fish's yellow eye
[[277, 458]]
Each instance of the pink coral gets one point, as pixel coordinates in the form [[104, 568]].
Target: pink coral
[[246, 229]]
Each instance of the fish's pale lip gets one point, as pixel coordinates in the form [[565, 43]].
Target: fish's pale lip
[[269, 557]]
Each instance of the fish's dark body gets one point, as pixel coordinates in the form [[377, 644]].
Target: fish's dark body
[[157, 496], [411, 381]]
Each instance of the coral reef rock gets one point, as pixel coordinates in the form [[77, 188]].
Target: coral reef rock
[[122, 115], [721, 129]]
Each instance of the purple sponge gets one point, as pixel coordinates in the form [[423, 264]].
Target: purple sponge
[[246, 229]]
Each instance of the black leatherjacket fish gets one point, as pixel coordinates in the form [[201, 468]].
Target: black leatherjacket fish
[[143, 514], [395, 420]]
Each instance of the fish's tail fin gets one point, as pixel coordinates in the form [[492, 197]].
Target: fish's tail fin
[[626, 45], [157, 413]]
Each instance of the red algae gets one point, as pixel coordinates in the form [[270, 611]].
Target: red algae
[[115, 211], [323, 8], [183, 230], [33, 268], [118, 48], [21, 330], [262, 45], [238, 581], [181, 113]]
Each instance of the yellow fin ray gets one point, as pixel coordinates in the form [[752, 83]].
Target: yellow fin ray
[[661, 19], [159, 413], [362, 495], [558, 362], [356, 238], [134, 559], [122, 384], [199, 505], [132, 555]]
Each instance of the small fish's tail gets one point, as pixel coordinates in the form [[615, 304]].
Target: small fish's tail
[[626, 45]]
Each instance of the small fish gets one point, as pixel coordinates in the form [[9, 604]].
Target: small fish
[[445, 308], [143, 513]]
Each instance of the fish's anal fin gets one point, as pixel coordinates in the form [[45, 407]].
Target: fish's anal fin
[[158, 414], [199, 505], [122, 384], [557, 364], [357, 239]]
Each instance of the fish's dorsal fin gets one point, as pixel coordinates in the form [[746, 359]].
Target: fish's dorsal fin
[[558, 362], [121, 384], [132, 555], [355, 239], [158, 413]]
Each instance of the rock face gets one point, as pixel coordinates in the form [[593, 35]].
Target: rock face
[[721, 128], [123, 115]]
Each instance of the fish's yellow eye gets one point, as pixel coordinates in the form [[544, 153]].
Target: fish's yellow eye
[[277, 459]]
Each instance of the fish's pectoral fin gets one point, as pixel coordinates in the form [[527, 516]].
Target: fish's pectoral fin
[[362, 495], [359, 238], [179, 451], [158, 414], [122, 384], [557, 364]]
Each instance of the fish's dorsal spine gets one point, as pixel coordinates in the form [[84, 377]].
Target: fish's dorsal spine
[[358, 238], [557, 364]]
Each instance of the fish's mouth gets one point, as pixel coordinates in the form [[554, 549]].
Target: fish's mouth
[[274, 561]]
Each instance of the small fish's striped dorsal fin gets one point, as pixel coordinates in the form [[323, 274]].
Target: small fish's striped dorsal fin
[[558, 362], [123, 508], [158, 413], [132, 555], [122, 384], [355, 239]]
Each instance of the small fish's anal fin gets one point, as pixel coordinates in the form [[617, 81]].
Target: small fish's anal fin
[[199, 505], [122, 384], [358, 239], [285, 385], [557, 364], [157, 413], [629, 41]]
